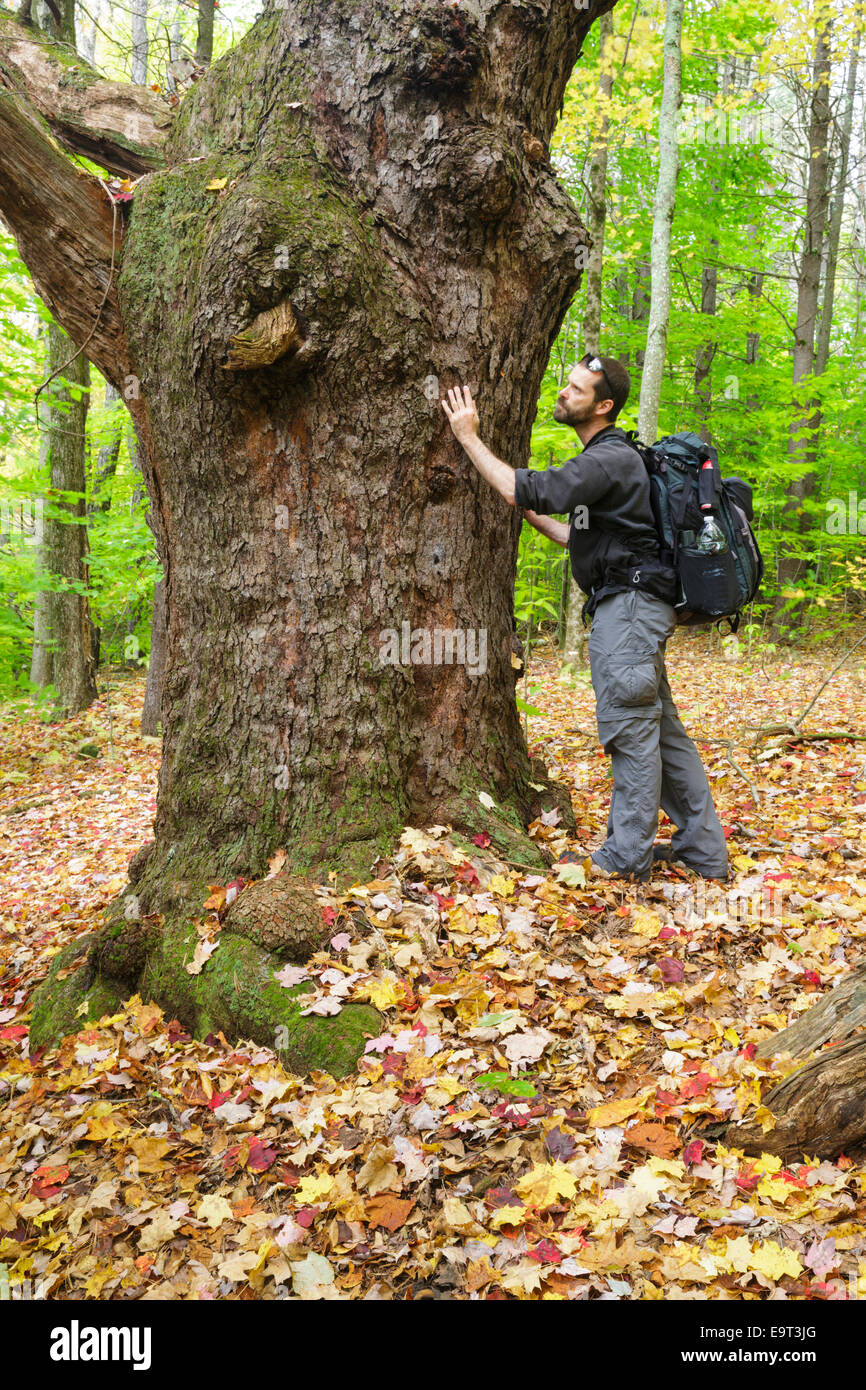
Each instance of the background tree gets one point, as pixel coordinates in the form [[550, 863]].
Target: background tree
[[663, 212], [63, 649]]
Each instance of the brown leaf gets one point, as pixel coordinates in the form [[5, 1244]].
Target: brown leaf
[[388, 1211], [660, 1140]]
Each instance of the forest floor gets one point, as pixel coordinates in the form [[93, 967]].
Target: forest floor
[[524, 1127]]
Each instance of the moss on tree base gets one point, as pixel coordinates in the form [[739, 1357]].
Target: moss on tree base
[[235, 994]]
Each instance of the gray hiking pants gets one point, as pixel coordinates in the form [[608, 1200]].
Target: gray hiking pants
[[655, 763]]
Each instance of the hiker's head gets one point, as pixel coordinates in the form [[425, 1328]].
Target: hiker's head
[[597, 389]]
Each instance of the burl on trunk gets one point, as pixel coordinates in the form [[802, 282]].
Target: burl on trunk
[[349, 213]]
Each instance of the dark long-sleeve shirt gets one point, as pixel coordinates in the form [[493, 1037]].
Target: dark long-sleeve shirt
[[609, 478]]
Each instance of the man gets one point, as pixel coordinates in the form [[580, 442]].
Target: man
[[616, 561]]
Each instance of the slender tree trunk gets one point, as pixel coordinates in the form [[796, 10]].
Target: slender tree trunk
[[204, 40], [106, 463], [640, 304], [598, 194], [66, 615], [825, 327], [801, 445], [623, 312], [42, 659], [663, 215], [151, 712], [573, 636], [707, 350], [86, 30], [138, 71], [103, 473]]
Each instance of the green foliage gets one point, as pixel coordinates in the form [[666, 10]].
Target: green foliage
[[122, 564], [508, 1085], [739, 212]]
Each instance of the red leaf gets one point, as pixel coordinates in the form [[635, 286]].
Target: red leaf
[[693, 1152], [218, 1098], [16, 1031], [47, 1181], [697, 1086], [482, 839], [672, 970], [261, 1157], [546, 1253]]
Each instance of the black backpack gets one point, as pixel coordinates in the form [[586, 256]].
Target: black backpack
[[711, 586]]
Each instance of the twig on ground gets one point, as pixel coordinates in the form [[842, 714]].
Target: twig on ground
[[768, 730]]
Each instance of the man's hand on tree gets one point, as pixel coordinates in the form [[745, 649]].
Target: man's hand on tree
[[461, 412]]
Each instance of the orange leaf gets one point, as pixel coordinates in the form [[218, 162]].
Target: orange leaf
[[389, 1211]]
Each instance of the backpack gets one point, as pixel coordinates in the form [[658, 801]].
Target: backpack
[[711, 586]]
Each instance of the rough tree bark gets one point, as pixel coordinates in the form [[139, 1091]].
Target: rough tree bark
[[356, 211]]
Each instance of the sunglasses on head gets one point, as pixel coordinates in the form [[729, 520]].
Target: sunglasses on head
[[593, 364]]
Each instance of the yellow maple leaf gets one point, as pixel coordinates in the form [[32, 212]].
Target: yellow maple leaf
[[773, 1262], [501, 885], [456, 1213], [508, 1216], [644, 922], [768, 1163], [383, 993], [602, 1116], [450, 1085], [545, 1183], [93, 1287], [216, 184], [496, 957], [214, 1210], [313, 1188], [102, 1127], [737, 1255], [667, 1167]]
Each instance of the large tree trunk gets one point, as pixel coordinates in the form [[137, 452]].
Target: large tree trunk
[[351, 219]]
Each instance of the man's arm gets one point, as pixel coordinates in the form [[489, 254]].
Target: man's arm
[[554, 530], [463, 419]]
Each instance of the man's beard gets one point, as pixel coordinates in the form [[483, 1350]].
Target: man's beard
[[573, 416]]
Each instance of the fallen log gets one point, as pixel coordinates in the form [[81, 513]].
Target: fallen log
[[819, 1109]]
